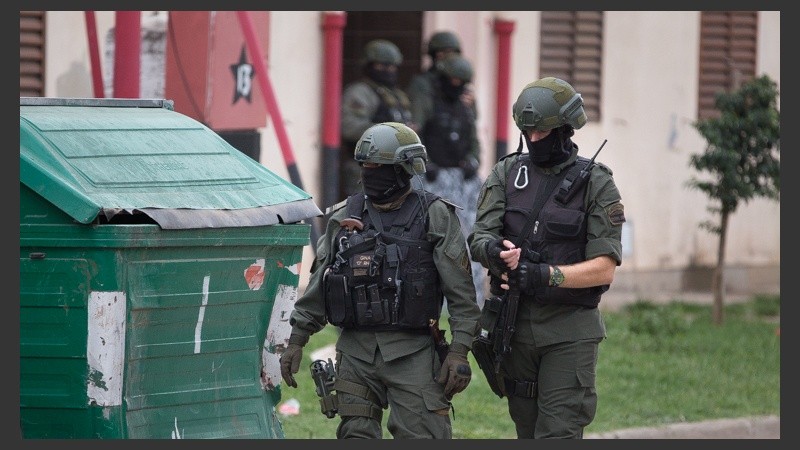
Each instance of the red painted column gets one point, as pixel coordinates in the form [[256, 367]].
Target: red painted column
[[94, 55], [503, 30], [127, 54], [333, 24], [262, 75]]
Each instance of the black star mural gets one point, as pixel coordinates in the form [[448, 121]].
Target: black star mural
[[242, 78]]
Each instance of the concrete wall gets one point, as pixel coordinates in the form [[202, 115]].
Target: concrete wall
[[649, 101]]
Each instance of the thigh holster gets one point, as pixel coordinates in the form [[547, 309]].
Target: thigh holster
[[371, 410]]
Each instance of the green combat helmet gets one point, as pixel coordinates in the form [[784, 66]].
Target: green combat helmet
[[455, 66], [548, 103], [382, 51], [392, 143], [443, 40]]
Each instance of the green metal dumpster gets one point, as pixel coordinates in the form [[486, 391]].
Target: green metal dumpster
[[158, 265]]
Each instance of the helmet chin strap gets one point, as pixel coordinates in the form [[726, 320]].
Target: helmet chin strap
[[521, 138]]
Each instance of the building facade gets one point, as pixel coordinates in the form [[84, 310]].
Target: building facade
[[645, 76]]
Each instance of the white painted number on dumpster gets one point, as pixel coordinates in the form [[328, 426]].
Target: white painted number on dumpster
[[176, 434], [199, 327]]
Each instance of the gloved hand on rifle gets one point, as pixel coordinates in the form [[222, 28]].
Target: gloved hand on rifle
[[529, 276], [497, 263], [455, 370], [291, 358]]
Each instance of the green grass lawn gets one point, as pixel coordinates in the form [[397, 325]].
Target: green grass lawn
[[661, 364]]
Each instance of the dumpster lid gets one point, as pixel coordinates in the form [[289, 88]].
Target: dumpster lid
[[97, 158]]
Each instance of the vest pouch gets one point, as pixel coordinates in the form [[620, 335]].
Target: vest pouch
[[419, 297], [369, 308], [566, 225], [338, 304]]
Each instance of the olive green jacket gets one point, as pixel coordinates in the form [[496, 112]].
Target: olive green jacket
[[452, 262], [549, 324], [360, 102]]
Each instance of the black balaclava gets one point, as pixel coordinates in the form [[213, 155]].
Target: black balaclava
[[450, 92], [385, 183], [384, 77], [553, 149]]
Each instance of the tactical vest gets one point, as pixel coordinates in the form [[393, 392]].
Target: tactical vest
[[393, 107], [384, 279], [559, 234], [446, 134]]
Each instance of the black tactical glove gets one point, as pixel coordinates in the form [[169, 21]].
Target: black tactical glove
[[455, 370], [431, 171], [469, 167], [529, 276], [493, 249], [291, 358]]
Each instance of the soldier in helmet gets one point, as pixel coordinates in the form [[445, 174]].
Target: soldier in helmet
[[549, 224], [389, 256], [445, 117], [372, 99]]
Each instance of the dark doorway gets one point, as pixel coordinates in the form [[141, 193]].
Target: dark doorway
[[403, 28]]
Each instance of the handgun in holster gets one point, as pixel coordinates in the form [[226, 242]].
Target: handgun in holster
[[324, 376]]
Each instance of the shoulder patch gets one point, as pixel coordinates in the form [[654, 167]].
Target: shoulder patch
[[616, 213], [333, 208]]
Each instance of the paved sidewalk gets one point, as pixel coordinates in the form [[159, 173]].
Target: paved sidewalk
[[766, 427]]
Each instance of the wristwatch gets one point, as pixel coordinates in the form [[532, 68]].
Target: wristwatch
[[557, 277]]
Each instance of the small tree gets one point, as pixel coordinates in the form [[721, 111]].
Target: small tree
[[742, 157]]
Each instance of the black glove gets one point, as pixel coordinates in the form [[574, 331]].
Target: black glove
[[455, 370], [529, 276], [493, 249], [291, 358], [469, 167], [431, 171]]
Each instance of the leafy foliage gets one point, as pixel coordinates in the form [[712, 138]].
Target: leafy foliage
[[742, 155]]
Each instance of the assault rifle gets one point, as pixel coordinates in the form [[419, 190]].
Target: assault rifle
[[324, 376], [497, 326], [508, 317]]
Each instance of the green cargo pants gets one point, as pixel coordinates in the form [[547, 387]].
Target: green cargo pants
[[565, 400], [417, 405]]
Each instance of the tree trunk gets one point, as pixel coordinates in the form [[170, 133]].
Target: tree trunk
[[717, 281]]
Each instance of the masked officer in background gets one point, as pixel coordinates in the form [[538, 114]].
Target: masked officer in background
[[374, 98], [447, 127], [569, 242], [389, 256]]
